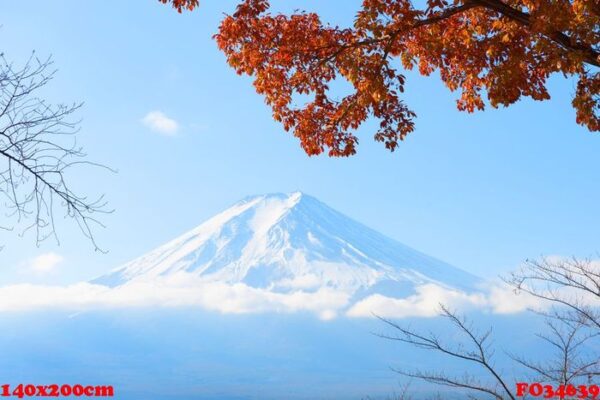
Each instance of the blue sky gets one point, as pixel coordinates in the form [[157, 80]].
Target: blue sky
[[482, 191]]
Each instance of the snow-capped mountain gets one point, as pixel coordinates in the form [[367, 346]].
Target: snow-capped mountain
[[285, 243], [273, 298]]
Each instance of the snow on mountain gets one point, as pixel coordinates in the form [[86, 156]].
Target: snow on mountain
[[288, 243], [278, 253]]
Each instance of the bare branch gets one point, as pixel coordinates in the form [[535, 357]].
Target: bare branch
[[572, 284], [476, 351], [569, 360], [38, 150]]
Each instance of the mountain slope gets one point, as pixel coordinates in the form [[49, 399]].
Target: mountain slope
[[292, 242]]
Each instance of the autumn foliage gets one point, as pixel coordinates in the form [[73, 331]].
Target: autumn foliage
[[181, 5], [489, 51]]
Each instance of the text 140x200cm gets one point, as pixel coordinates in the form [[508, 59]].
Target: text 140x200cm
[[29, 390]]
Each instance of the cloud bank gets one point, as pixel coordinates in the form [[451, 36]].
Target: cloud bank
[[326, 303]]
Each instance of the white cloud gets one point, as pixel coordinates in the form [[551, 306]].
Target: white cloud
[[161, 123], [44, 263], [495, 297], [181, 290], [224, 298], [424, 303], [503, 300]]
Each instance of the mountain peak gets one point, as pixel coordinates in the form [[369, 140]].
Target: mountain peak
[[292, 197], [289, 242]]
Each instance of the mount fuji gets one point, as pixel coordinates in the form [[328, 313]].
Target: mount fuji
[[227, 311], [290, 244]]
